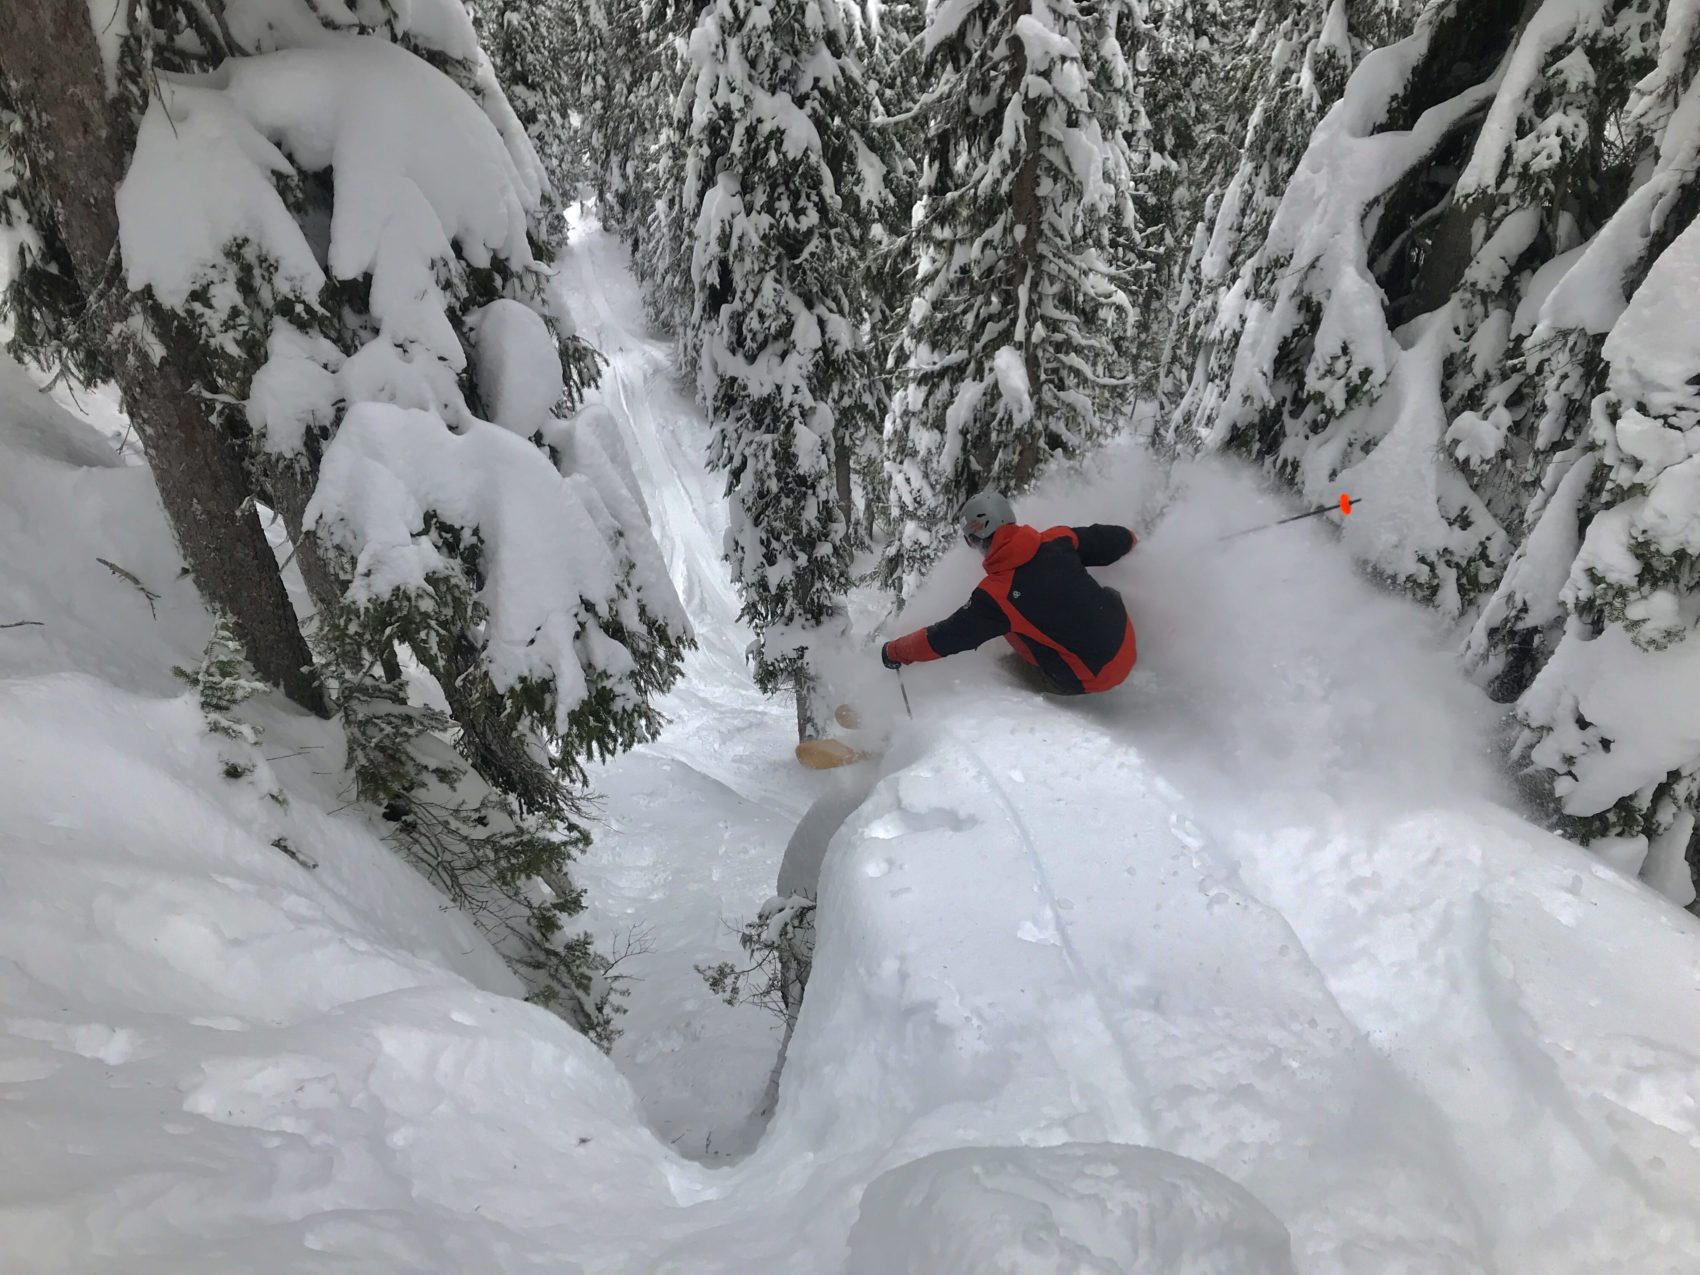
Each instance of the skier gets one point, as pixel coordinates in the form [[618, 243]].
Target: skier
[[1038, 597]]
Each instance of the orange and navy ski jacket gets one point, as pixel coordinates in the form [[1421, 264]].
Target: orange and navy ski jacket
[[1039, 597]]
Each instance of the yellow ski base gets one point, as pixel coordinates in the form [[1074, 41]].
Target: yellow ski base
[[827, 754]]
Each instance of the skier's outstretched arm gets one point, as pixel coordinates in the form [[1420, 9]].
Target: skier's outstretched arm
[[1101, 544], [975, 623]]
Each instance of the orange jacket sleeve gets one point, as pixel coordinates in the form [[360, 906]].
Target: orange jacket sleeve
[[911, 648]]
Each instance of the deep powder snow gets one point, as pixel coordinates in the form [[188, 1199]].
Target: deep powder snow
[[1248, 967]]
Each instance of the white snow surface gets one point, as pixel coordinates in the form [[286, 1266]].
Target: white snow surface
[[519, 368], [1244, 967], [1076, 1207]]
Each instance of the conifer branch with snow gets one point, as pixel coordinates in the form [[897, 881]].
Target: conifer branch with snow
[[344, 227], [1013, 343], [1457, 309], [785, 179]]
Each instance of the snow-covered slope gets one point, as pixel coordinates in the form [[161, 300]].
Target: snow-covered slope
[[1258, 910], [1244, 968], [695, 822], [213, 1057]]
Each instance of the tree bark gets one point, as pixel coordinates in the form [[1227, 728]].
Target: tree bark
[[841, 465], [811, 721], [81, 142]]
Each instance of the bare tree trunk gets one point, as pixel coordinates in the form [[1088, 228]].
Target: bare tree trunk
[[841, 479], [811, 721], [80, 142], [289, 488]]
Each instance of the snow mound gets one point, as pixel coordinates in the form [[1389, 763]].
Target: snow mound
[[236, 1030], [1065, 1210], [1025, 936], [519, 366]]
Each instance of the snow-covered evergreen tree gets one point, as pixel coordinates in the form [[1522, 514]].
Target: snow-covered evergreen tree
[[1279, 69], [1015, 333], [894, 70], [549, 56], [1593, 626], [1624, 768], [586, 78], [1164, 79], [345, 227], [1425, 322], [222, 682], [543, 66], [661, 226], [786, 182], [895, 75]]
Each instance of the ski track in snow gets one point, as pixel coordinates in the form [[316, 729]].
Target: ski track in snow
[[700, 1066], [1286, 809], [1122, 984]]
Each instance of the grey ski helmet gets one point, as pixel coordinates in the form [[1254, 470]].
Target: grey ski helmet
[[982, 516]]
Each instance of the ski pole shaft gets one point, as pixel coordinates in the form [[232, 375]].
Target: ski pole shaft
[[905, 690], [1345, 505]]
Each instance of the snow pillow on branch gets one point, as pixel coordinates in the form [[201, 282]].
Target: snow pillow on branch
[[475, 532], [519, 371], [392, 221], [1611, 714]]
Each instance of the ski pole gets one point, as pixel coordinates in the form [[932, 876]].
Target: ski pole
[[1344, 507], [905, 690]]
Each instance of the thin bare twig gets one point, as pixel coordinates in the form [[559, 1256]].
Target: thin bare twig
[[299, 752], [122, 574], [305, 860]]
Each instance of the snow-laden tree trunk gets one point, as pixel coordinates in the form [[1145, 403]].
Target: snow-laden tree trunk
[[894, 71], [1026, 247], [79, 138]]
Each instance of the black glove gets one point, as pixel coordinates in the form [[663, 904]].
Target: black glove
[[885, 658]]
